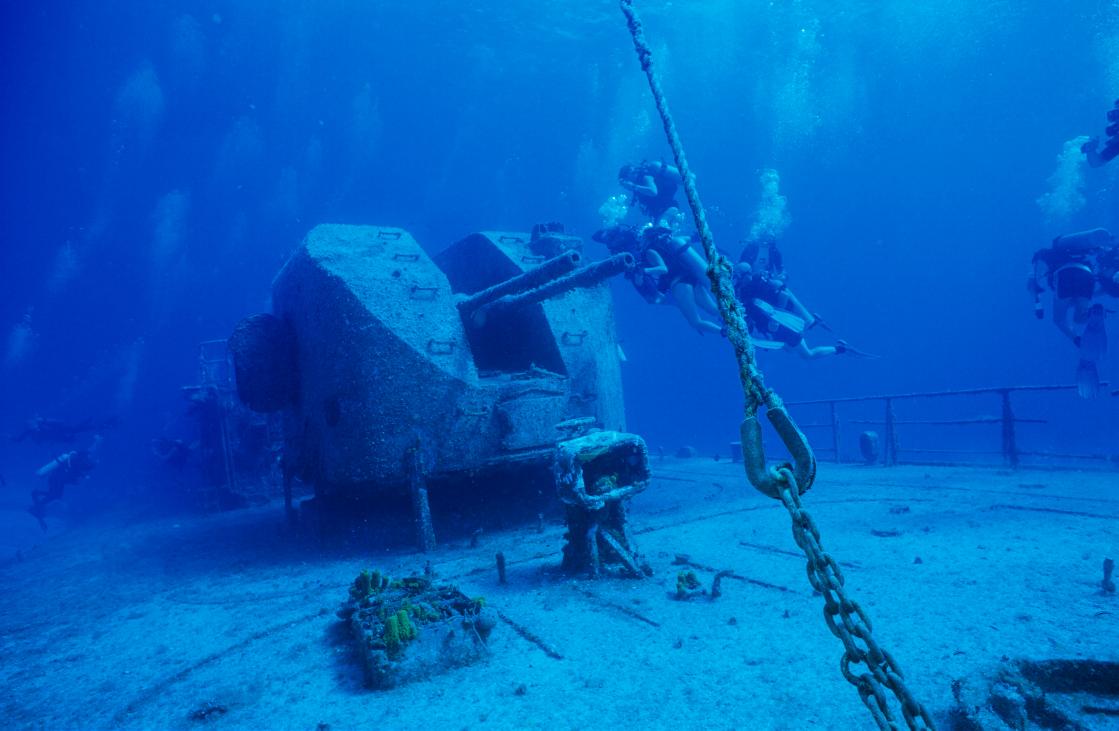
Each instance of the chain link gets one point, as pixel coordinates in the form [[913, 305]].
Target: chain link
[[847, 621]]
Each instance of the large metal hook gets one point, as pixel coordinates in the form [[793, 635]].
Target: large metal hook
[[768, 480]]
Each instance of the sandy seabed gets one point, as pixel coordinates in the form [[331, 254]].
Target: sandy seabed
[[140, 625]]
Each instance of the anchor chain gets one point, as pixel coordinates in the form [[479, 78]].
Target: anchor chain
[[847, 621], [844, 617]]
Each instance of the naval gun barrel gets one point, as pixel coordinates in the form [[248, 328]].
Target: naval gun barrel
[[587, 276], [533, 278]]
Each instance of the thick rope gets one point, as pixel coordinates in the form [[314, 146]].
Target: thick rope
[[718, 268]]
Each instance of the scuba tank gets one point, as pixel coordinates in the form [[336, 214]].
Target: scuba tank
[[1076, 249], [661, 240], [1083, 242], [761, 261], [67, 459], [54, 464]]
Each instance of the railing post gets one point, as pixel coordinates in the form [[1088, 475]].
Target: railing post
[[1009, 438], [835, 433], [890, 448]]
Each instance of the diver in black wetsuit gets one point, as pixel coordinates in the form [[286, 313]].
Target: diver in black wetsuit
[[773, 313], [765, 262], [65, 469], [654, 186], [646, 278], [1070, 269], [1099, 157], [174, 453], [764, 301], [667, 266]]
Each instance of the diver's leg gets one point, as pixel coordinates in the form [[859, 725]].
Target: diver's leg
[[37, 510], [1093, 334], [696, 273], [38, 503], [1080, 307], [808, 353], [794, 305], [685, 297], [706, 300], [56, 485], [694, 264], [1061, 317]]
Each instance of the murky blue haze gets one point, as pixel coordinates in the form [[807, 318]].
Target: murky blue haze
[[161, 161]]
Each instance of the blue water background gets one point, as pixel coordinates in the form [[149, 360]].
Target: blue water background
[[161, 161]]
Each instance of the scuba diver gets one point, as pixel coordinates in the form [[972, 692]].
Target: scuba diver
[[764, 302], [65, 469], [41, 430], [1097, 157], [1069, 268], [174, 453], [764, 261], [667, 266], [773, 313], [654, 186]]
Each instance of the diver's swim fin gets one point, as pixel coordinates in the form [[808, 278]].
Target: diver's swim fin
[[781, 317], [1093, 341], [862, 353], [1087, 379], [843, 348], [767, 344]]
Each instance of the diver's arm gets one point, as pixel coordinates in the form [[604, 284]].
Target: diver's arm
[[1096, 157], [646, 186], [1091, 150], [671, 169], [1039, 274], [1035, 291], [1032, 286], [655, 264]]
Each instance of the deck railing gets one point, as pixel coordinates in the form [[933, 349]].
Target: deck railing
[[891, 450]]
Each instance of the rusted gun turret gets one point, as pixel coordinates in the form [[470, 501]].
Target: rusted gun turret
[[542, 273], [537, 285], [386, 360]]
